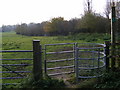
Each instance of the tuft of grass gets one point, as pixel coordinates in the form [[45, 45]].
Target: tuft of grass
[[110, 79], [45, 83], [87, 83]]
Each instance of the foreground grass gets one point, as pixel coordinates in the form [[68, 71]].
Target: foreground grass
[[109, 79]]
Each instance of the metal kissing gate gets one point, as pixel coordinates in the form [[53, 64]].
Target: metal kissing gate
[[90, 60], [87, 60], [59, 58]]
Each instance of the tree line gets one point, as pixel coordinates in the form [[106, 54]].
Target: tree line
[[88, 23], [7, 28]]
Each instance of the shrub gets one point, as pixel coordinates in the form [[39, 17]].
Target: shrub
[[106, 37]]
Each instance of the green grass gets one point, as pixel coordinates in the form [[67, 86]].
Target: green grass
[[12, 41], [87, 37]]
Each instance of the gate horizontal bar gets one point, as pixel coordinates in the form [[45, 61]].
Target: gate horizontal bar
[[16, 51], [60, 52], [15, 64], [10, 83], [58, 44], [15, 71], [91, 48], [90, 58], [12, 77], [55, 74], [62, 67], [91, 51], [87, 76], [19, 59], [89, 68], [62, 60], [103, 45]]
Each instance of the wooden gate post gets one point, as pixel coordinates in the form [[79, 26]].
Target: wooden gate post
[[107, 52], [37, 60], [113, 38]]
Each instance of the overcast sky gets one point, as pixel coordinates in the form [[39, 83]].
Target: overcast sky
[[26, 11]]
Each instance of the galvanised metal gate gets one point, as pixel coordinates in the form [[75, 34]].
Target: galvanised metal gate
[[90, 60], [59, 58], [87, 60], [15, 69], [16, 65]]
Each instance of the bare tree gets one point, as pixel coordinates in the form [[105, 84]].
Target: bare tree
[[118, 9], [108, 9], [88, 6]]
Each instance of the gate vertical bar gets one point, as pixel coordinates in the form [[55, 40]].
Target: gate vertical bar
[[107, 52], [74, 54], [45, 65], [76, 64], [0, 61], [37, 60], [98, 62]]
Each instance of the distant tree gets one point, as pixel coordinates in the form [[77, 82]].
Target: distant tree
[[92, 23], [7, 28], [23, 28], [40, 28], [17, 29], [73, 25], [57, 26], [4, 28], [47, 28], [88, 23], [31, 29]]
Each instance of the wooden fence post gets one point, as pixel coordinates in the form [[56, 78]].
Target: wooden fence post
[[107, 52], [113, 38], [37, 60]]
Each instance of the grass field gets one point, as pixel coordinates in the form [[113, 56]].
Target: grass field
[[11, 41]]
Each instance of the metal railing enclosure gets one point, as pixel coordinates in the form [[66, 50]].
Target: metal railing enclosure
[[90, 60]]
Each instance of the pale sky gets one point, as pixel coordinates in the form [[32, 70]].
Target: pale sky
[[26, 11]]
